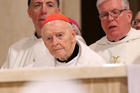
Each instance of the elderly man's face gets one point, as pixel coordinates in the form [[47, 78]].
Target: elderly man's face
[[115, 19], [39, 10], [59, 38], [136, 22]]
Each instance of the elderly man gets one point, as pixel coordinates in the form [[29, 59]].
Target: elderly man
[[31, 51], [136, 21], [121, 43], [60, 38]]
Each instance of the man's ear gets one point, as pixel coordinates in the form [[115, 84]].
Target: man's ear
[[74, 33], [58, 10], [129, 15], [29, 12]]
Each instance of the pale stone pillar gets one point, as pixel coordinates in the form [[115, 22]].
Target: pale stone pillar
[[14, 24]]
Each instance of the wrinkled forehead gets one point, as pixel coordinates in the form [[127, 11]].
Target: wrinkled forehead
[[57, 25], [51, 1]]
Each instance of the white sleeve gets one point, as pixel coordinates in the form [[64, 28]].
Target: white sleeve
[[10, 59]]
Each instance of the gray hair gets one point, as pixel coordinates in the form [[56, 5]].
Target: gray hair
[[125, 3], [78, 32]]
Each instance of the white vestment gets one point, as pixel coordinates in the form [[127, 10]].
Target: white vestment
[[31, 52], [28, 52], [85, 57], [125, 51]]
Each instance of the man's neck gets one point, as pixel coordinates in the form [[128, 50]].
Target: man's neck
[[37, 36], [115, 40], [121, 36], [74, 54]]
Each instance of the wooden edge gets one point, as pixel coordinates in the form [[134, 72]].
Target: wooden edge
[[107, 71]]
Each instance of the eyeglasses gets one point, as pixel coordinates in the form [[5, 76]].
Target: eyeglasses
[[114, 13], [136, 21]]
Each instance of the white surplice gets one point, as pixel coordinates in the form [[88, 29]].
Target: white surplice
[[125, 51], [31, 52]]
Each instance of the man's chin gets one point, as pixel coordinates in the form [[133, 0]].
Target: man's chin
[[114, 32], [62, 58], [59, 55]]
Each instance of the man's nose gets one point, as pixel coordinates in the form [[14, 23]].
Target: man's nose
[[44, 9], [110, 17], [55, 41]]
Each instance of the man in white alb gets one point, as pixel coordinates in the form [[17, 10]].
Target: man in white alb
[[121, 43], [59, 37]]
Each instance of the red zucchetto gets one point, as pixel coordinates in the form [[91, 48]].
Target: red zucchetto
[[56, 16]]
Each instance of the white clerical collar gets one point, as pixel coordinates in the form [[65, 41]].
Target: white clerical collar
[[73, 62], [127, 38]]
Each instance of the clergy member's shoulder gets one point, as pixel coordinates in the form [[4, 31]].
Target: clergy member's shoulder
[[24, 43], [133, 34]]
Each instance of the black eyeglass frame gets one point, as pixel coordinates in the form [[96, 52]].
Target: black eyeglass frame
[[114, 13]]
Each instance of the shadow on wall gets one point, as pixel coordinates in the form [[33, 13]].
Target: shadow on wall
[[91, 28]]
